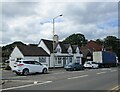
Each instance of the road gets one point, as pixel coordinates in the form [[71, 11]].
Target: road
[[59, 79]]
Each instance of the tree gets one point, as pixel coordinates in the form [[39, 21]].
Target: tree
[[76, 39], [114, 42], [99, 41], [6, 50]]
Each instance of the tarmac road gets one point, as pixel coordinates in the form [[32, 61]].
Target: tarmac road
[[59, 79]]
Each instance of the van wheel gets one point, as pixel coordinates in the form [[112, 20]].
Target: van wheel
[[25, 72], [44, 71]]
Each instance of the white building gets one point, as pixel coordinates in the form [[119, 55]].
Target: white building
[[63, 53], [28, 52]]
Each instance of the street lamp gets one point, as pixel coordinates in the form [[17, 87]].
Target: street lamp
[[53, 37]]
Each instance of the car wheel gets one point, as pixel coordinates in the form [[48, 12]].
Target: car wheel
[[44, 71], [25, 72], [74, 68], [17, 73]]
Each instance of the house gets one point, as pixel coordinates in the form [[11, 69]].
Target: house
[[88, 50], [29, 52], [64, 53]]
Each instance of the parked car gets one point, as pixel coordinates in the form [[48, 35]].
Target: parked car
[[74, 66], [91, 64], [24, 67]]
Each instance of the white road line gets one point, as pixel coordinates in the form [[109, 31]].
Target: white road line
[[106, 69], [59, 73], [17, 77], [76, 72], [100, 72], [116, 88], [113, 70], [27, 85], [78, 77]]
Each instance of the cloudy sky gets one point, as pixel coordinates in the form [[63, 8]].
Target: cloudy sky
[[31, 21]]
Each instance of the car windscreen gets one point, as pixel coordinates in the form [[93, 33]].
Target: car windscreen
[[70, 64], [94, 63]]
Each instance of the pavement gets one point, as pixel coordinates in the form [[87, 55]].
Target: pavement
[[59, 79]]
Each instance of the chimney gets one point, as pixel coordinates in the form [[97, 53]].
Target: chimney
[[56, 38]]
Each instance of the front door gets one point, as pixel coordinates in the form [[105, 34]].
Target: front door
[[64, 61]]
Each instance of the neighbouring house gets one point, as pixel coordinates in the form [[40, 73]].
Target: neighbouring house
[[88, 50], [29, 52], [64, 53]]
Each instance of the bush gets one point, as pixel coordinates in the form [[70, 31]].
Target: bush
[[7, 67]]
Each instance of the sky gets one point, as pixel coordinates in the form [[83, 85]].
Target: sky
[[30, 21]]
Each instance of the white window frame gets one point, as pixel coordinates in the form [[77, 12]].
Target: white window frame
[[70, 59], [78, 59], [58, 60], [42, 59]]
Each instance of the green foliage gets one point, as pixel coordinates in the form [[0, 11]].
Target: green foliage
[[113, 42], [76, 39], [99, 41], [6, 50]]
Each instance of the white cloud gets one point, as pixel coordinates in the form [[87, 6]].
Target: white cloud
[[31, 21]]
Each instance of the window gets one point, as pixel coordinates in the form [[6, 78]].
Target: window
[[36, 63], [19, 58], [70, 59], [58, 49], [77, 59], [70, 51], [42, 59], [77, 51], [59, 60], [55, 60]]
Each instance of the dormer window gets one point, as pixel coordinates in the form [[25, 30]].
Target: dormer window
[[58, 50], [70, 51], [77, 50]]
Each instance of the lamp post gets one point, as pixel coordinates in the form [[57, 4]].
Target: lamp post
[[53, 37]]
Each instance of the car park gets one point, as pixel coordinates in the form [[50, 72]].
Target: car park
[[91, 64], [25, 67], [74, 66]]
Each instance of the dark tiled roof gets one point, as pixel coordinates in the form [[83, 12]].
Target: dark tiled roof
[[64, 49], [49, 44], [64, 46], [74, 47], [28, 50]]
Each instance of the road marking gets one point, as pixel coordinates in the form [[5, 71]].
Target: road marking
[[115, 88], [76, 72], [113, 70], [106, 69], [100, 72], [27, 85], [78, 77], [59, 73], [14, 77], [19, 77]]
